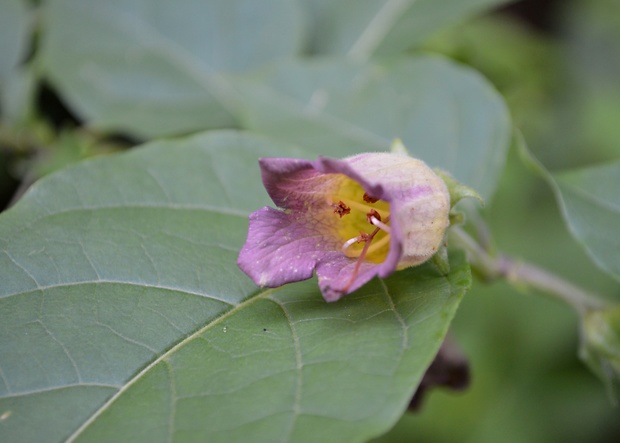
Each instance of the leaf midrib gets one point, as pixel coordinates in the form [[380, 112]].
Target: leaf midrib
[[117, 282]]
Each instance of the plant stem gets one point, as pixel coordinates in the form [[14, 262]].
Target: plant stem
[[520, 273]]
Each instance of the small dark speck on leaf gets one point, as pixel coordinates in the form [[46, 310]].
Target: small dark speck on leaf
[[264, 329]]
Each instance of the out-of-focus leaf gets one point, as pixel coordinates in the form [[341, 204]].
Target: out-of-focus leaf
[[444, 113], [590, 203], [13, 41], [361, 28], [18, 95], [592, 51], [159, 67], [519, 61], [125, 317], [13, 37]]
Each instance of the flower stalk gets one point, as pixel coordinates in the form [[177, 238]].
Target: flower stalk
[[521, 273]]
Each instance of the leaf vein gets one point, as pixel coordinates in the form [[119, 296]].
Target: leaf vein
[[162, 358], [118, 282], [298, 367]]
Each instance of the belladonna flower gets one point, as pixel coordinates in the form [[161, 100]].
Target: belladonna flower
[[349, 220]]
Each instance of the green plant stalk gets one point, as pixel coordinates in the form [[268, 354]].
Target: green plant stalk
[[520, 273]]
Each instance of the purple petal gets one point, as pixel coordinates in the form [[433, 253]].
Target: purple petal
[[295, 184], [337, 279], [281, 248]]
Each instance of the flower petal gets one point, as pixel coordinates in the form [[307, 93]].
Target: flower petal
[[337, 276], [295, 184], [280, 249]]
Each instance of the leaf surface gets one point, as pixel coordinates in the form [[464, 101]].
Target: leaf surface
[[362, 28], [13, 33], [125, 317], [159, 67], [590, 203], [591, 206]]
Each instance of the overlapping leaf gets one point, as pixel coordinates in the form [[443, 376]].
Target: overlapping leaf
[[124, 316], [445, 114], [590, 204], [158, 67], [362, 28], [13, 28], [14, 21]]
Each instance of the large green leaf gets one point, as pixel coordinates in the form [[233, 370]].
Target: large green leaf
[[124, 316], [590, 204], [446, 114], [361, 28], [158, 67]]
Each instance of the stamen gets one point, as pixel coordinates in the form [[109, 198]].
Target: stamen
[[341, 209], [359, 206], [363, 237], [376, 245], [369, 199], [378, 223], [349, 243], [360, 259], [368, 238], [372, 213]]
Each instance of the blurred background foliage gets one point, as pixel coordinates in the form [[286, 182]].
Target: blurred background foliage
[[557, 63]]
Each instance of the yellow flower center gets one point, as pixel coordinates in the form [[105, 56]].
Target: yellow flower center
[[362, 221]]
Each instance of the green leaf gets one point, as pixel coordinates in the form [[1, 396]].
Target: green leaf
[[591, 206], [361, 28], [13, 36], [160, 67], [125, 317], [445, 114], [590, 203], [14, 84], [593, 106]]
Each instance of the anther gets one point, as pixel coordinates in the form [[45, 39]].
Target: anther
[[373, 213], [369, 199], [341, 209]]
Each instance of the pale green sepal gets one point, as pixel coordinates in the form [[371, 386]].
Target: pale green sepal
[[457, 190], [398, 147], [456, 218], [440, 259]]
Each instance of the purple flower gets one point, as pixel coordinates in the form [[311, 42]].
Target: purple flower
[[349, 220]]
